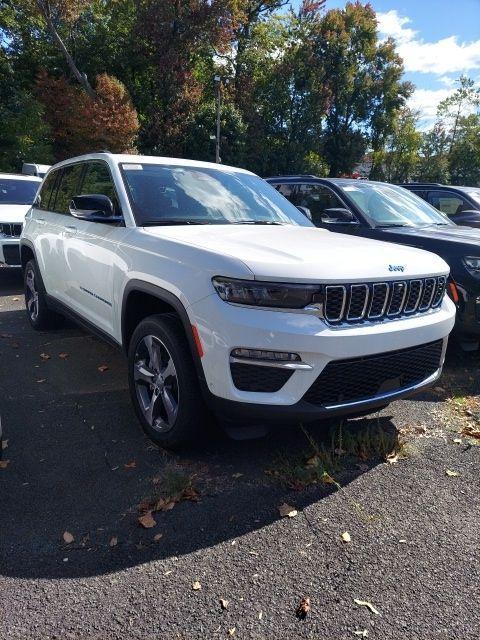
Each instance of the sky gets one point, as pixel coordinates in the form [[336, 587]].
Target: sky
[[438, 41]]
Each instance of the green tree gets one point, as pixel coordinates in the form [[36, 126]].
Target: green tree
[[398, 160], [433, 161], [362, 77], [464, 156]]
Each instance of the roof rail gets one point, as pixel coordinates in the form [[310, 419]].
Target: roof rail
[[422, 184], [292, 175]]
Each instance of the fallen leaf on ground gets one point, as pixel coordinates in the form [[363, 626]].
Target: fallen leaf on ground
[[196, 586], [285, 510], [303, 608], [113, 541], [346, 537], [231, 632], [457, 440], [15, 299], [157, 537], [68, 537], [392, 458], [237, 475], [190, 493], [363, 633], [4, 464], [223, 603], [102, 368], [147, 520], [4, 444], [6, 335], [369, 605], [260, 615], [63, 355], [42, 380], [451, 474], [130, 465], [44, 356]]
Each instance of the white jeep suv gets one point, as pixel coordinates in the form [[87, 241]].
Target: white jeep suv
[[224, 295], [17, 192]]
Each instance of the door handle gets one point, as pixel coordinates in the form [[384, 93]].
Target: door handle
[[40, 220], [70, 230]]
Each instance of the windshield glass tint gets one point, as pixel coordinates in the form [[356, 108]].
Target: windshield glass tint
[[390, 205], [18, 191], [182, 194]]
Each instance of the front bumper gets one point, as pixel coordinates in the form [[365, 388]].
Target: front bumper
[[223, 327], [10, 251]]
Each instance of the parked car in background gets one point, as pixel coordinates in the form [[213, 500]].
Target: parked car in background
[[222, 293], [17, 193], [390, 213], [460, 204], [34, 169]]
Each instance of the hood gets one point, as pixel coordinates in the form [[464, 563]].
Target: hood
[[303, 254], [436, 235], [13, 212]]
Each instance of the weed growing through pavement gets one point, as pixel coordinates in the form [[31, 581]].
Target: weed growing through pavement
[[342, 443]]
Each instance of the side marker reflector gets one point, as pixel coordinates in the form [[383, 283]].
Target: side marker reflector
[[198, 342], [454, 292]]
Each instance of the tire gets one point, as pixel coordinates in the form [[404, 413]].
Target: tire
[[160, 366], [39, 315]]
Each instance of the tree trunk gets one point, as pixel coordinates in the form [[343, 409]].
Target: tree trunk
[[80, 77]]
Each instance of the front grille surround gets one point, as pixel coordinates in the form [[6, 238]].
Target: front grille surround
[[378, 301]]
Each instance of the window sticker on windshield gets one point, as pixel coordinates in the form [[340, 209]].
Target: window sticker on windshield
[[133, 167]]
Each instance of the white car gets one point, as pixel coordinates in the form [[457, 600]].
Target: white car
[[224, 295], [17, 192]]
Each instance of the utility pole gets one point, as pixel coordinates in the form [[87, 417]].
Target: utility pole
[[218, 83]]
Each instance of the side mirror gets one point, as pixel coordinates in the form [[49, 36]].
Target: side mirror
[[338, 215], [94, 208], [306, 212]]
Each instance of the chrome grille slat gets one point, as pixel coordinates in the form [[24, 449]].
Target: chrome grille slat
[[330, 292], [428, 293], [377, 301], [357, 298], [11, 229], [379, 287], [415, 290]]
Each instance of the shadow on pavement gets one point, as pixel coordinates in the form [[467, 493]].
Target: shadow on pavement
[[80, 463]]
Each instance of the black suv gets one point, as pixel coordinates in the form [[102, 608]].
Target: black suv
[[460, 204], [392, 214]]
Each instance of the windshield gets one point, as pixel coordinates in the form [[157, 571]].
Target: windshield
[[18, 191], [171, 194], [387, 205]]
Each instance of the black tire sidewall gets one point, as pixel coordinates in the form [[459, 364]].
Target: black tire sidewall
[[45, 316], [168, 329]]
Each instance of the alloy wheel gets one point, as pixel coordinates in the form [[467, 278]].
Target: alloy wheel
[[156, 383], [31, 294]]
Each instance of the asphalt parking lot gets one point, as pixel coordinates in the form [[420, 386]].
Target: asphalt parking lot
[[77, 463]]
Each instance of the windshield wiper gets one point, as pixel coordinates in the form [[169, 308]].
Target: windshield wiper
[[388, 226], [172, 221], [258, 222]]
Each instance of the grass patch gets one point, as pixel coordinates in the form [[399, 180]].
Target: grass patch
[[170, 487], [342, 443]]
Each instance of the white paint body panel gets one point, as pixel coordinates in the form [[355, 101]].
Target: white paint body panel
[[13, 213]]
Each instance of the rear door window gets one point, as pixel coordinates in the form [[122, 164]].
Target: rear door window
[[47, 190]]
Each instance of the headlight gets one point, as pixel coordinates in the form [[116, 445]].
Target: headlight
[[267, 294], [472, 264]]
